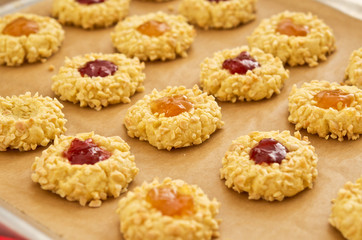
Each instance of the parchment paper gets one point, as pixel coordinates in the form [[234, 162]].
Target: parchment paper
[[303, 216]]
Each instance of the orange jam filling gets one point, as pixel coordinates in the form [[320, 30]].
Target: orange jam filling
[[153, 28], [21, 26], [288, 27], [336, 99], [170, 202], [171, 105]]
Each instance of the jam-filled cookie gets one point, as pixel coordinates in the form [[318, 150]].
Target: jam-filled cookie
[[97, 80], [86, 167], [242, 74], [28, 121], [353, 73], [327, 109], [296, 38], [346, 213], [26, 37], [90, 14], [270, 165], [153, 36], [171, 209], [173, 118], [218, 13]]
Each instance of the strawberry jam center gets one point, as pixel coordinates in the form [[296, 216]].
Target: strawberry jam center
[[288, 27], [240, 64], [89, 2], [153, 28], [170, 202], [85, 152], [98, 68], [171, 105], [269, 151], [336, 99], [21, 26]]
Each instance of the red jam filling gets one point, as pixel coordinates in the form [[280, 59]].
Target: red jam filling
[[336, 99], [268, 151], [153, 28], [217, 1], [171, 105], [98, 68], [288, 27], [170, 202], [85, 152], [240, 64], [89, 2], [21, 26]]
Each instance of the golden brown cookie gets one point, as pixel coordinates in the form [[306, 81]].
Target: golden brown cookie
[[353, 73]]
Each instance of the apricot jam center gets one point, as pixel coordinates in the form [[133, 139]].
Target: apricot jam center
[[153, 28], [269, 151], [170, 202], [88, 2], [85, 152], [98, 68], [240, 64], [21, 26], [171, 105], [288, 27], [336, 99]]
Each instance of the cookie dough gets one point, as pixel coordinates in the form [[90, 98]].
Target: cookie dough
[[89, 16], [295, 50], [261, 82], [218, 13], [86, 183], [270, 181], [34, 46], [29, 121], [347, 210], [175, 36], [186, 129], [353, 73], [97, 92], [331, 122], [141, 220]]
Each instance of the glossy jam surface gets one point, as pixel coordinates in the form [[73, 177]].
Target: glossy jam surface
[[269, 151], [336, 99], [170, 202], [21, 26], [171, 105], [217, 1], [98, 68], [153, 28], [288, 27], [89, 2], [240, 64], [85, 152]]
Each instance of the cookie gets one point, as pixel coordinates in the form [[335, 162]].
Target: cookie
[[353, 73], [171, 209], [222, 14], [90, 14], [296, 38], [97, 80], [154, 36], [27, 121], [270, 165], [347, 210], [327, 109], [26, 37], [242, 74], [173, 118], [86, 167]]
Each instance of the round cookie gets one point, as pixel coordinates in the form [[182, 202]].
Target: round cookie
[[88, 183], [347, 210], [218, 13], [116, 84], [256, 84], [273, 181], [29, 121], [153, 36], [292, 49], [334, 122], [140, 219], [28, 37], [353, 73], [88, 16], [185, 129]]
